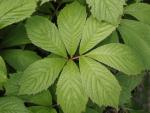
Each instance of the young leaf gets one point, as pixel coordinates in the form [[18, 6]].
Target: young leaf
[[45, 35], [12, 12], [107, 10], [93, 33], [136, 35], [17, 36], [19, 59], [70, 93], [99, 83], [40, 75], [41, 109], [118, 56], [3, 71], [70, 22], [12, 105], [141, 11]]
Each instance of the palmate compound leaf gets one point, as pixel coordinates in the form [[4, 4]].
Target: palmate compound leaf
[[19, 59], [93, 33], [107, 10], [137, 35], [99, 83], [12, 105], [118, 56], [70, 93], [12, 12], [3, 71], [71, 21], [141, 11], [45, 35], [40, 75]]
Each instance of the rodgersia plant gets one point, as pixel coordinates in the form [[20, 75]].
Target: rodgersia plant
[[95, 48]]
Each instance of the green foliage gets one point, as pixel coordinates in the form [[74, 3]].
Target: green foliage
[[12, 105], [89, 54]]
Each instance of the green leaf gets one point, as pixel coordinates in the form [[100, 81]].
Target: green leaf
[[93, 33], [70, 93], [136, 35], [12, 105], [12, 84], [40, 75], [118, 56], [99, 83], [128, 83], [17, 36], [41, 109], [19, 59], [12, 87], [113, 38], [107, 10], [43, 98], [89, 110], [3, 71], [141, 11], [45, 35], [12, 12], [71, 21]]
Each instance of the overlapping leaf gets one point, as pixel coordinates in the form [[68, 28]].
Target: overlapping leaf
[[12, 12], [16, 37], [100, 85], [3, 71], [20, 59], [107, 10], [136, 35], [41, 109], [93, 33], [40, 75], [70, 93], [12, 105], [118, 56], [45, 35], [141, 11], [70, 22]]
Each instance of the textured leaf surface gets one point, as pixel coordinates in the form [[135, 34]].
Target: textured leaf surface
[[107, 10], [3, 71], [40, 75], [70, 94], [43, 98], [141, 11], [12, 84], [45, 35], [19, 59], [70, 22], [99, 83], [137, 36], [118, 56], [12, 105], [17, 36], [93, 33], [128, 84], [12, 12], [41, 109]]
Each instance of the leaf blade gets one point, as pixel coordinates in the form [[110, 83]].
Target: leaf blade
[[69, 90], [118, 56], [99, 83]]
